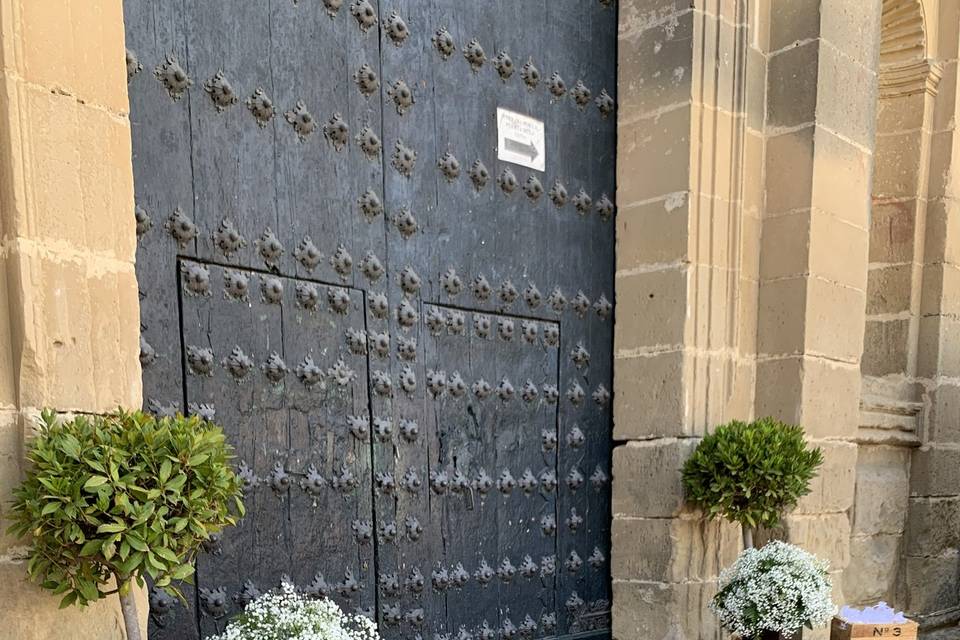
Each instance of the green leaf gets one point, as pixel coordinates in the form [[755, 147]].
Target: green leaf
[[112, 527], [50, 507], [182, 572], [167, 554], [68, 600], [165, 470], [90, 547], [94, 482]]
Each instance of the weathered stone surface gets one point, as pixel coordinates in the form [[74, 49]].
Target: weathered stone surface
[[931, 582], [647, 481], [871, 574], [882, 488], [658, 611], [660, 300], [655, 67], [648, 397], [653, 157], [30, 613], [654, 232], [935, 471], [933, 526], [832, 489], [825, 535], [889, 288], [673, 549], [886, 347], [943, 422]]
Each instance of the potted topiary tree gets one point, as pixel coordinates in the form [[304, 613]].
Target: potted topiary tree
[[751, 473], [116, 498]]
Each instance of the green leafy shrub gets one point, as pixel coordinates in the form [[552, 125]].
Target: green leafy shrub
[[751, 472], [122, 496]]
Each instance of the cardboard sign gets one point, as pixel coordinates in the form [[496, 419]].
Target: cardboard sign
[[521, 139], [843, 630]]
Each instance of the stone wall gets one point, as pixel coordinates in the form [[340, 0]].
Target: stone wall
[[905, 533], [69, 318], [746, 152]]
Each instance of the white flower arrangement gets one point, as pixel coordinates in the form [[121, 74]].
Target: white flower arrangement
[[779, 588], [285, 614]]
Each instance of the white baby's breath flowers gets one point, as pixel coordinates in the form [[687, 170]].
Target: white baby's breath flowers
[[779, 588], [285, 614]]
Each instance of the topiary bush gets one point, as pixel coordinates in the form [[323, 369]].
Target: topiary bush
[[751, 473], [122, 496]]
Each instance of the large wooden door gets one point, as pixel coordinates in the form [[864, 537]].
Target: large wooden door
[[408, 340]]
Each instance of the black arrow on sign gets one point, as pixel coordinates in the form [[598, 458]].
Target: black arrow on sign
[[523, 148]]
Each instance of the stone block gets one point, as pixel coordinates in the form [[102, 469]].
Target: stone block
[[649, 398], [789, 171], [640, 15], [756, 92], [945, 103], [831, 398], [105, 175], [32, 614], [882, 488], [11, 463], [653, 156], [846, 95], [785, 245], [781, 323], [838, 250], [931, 582], [792, 85], [841, 179], [793, 22], [115, 312], [652, 309], [897, 165], [889, 289], [8, 375], [832, 489], [886, 348], [872, 573], [55, 208], [647, 477], [941, 161], [942, 232], [933, 526], [655, 68], [901, 113], [941, 290], [753, 165], [672, 549], [938, 350], [79, 49], [827, 536], [654, 232], [834, 319], [943, 420], [658, 611], [935, 471], [780, 389], [823, 396], [853, 27]]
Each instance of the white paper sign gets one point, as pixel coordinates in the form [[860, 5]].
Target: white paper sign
[[520, 139]]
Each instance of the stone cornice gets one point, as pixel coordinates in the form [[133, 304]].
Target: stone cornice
[[909, 78]]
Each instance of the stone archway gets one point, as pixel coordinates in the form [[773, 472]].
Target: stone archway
[[902, 365]]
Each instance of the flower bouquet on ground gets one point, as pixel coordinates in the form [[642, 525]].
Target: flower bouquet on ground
[[284, 614], [774, 592]]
